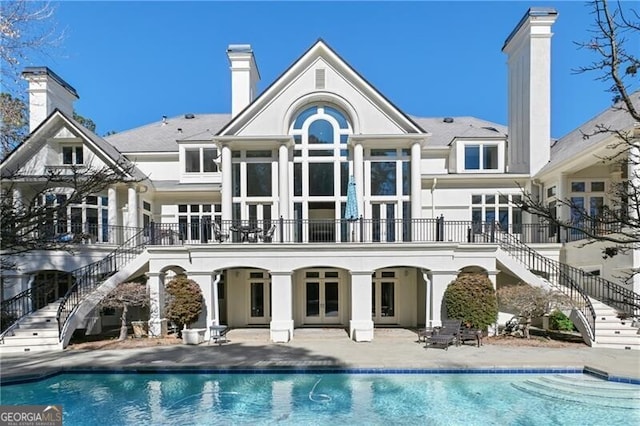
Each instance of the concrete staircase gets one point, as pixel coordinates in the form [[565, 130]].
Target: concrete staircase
[[36, 332], [613, 332]]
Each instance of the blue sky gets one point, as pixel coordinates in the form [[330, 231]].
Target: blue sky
[[133, 62]]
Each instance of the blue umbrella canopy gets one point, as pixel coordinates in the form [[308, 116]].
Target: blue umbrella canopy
[[351, 209]]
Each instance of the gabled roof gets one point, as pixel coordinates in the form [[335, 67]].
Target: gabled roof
[[576, 143], [319, 49], [162, 136], [110, 153]]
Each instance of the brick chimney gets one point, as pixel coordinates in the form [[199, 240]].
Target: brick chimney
[[47, 91], [244, 76], [529, 92]]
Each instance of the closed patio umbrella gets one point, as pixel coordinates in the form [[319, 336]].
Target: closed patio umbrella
[[351, 209]]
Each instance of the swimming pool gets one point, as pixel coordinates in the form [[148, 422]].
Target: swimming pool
[[314, 398]]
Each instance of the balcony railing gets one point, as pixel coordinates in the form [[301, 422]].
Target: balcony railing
[[319, 231], [383, 231]]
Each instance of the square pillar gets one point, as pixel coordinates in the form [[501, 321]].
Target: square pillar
[[361, 324], [281, 327], [440, 280], [157, 322]]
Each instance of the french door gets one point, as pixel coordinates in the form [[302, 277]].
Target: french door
[[383, 297], [259, 298], [322, 297]]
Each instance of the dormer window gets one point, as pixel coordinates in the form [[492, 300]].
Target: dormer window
[[481, 157], [477, 156], [72, 155], [199, 160]]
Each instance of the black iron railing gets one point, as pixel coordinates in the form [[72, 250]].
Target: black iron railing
[[84, 233], [22, 304], [341, 231], [88, 278]]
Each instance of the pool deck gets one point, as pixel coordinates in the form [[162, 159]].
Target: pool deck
[[394, 349]]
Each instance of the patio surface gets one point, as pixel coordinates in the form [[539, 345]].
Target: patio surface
[[321, 348]]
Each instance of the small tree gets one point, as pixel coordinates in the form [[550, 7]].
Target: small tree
[[124, 296], [184, 303], [472, 299], [529, 302]]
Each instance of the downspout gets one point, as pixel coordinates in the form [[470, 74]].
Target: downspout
[[433, 201], [215, 279]]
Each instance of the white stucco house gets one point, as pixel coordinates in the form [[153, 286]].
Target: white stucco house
[[318, 202]]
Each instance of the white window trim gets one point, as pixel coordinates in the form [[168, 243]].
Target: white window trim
[[459, 155], [197, 177]]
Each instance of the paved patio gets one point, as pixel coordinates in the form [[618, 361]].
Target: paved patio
[[319, 348]]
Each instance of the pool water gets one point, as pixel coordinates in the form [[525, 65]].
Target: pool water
[[308, 399]]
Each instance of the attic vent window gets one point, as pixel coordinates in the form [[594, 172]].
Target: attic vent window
[[448, 120], [320, 78], [189, 116]]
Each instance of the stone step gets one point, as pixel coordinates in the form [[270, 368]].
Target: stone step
[[621, 346], [14, 349], [38, 324], [38, 320], [35, 332], [19, 340]]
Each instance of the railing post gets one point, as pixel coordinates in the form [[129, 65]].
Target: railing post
[[361, 229], [470, 234], [440, 228], [281, 222], [493, 232], [557, 226], [152, 233]]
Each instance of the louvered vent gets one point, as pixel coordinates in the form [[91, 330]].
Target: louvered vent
[[320, 78]]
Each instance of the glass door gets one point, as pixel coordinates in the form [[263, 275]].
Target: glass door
[[322, 297], [384, 222], [259, 298], [383, 297]]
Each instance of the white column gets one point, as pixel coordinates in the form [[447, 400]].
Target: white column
[[361, 324], [17, 198], [283, 179], [112, 214], [132, 196], [416, 182], [358, 171], [281, 326], [217, 276], [227, 187], [428, 297], [157, 324], [439, 282]]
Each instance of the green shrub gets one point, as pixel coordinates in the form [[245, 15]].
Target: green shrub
[[472, 299], [184, 301], [559, 321]]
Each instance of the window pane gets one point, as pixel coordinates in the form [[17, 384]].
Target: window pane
[[596, 205], [67, 155], [476, 199], [320, 179], [383, 178], [182, 208], [406, 178], [490, 199], [490, 158], [387, 299], [259, 154], [321, 153], [344, 178], [208, 160], [303, 116], [321, 131], [79, 155], [342, 122], [472, 157], [297, 139], [297, 179], [258, 179], [192, 160], [597, 186], [383, 152], [577, 186], [257, 299], [236, 179]]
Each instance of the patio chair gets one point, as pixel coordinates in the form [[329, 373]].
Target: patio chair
[[468, 334], [267, 237], [217, 333], [445, 335], [217, 233]]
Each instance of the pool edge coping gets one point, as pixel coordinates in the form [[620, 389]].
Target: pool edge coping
[[15, 380]]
